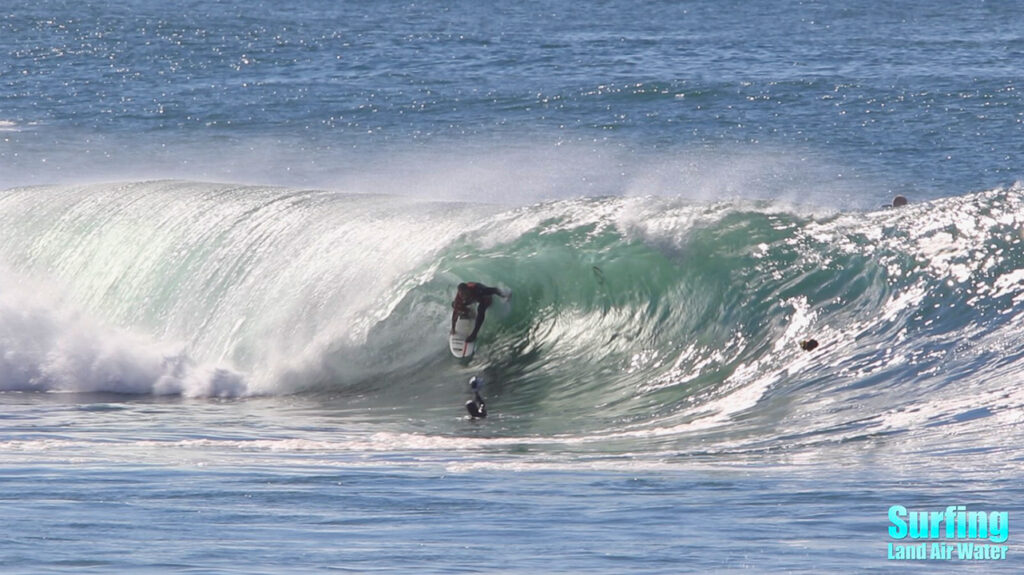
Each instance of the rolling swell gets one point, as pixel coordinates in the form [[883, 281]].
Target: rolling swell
[[631, 317]]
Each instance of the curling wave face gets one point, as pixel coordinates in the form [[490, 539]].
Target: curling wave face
[[633, 318]]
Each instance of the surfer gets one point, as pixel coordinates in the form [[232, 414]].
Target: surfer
[[476, 406], [466, 295]]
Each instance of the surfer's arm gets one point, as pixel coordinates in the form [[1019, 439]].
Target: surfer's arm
[[488, 291], [481, 312]]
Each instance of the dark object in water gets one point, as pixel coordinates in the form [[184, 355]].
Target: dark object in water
[[809, 344]]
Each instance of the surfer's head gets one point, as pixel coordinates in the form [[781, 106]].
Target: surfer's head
[[899, 201], [475, 383]]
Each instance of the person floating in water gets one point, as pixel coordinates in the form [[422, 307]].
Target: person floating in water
[[476, 406], [470, 293]]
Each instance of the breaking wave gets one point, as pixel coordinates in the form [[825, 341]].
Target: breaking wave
[[632, 317]]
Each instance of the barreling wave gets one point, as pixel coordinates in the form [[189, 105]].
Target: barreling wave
[[631, 316]]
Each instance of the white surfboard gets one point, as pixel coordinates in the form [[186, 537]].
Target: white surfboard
[[457, 341]]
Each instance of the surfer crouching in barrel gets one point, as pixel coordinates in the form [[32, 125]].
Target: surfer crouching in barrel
[[470, 293]]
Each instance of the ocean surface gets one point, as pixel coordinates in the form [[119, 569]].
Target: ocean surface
[[230, 233]]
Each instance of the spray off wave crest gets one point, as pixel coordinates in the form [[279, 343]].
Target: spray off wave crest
[[632, 317]]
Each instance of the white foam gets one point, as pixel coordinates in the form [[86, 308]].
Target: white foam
[[46, 346]]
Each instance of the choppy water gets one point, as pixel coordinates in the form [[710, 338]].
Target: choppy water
[[230, 235]]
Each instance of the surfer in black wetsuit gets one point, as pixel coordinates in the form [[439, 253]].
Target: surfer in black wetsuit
[[476, 407], [470, 293]]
